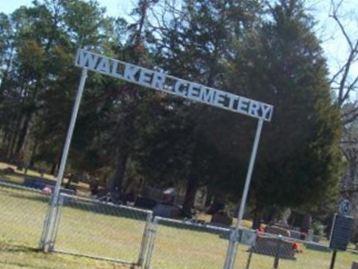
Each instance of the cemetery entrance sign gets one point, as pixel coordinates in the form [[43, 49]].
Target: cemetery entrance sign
[[163, 82], [170, 84]]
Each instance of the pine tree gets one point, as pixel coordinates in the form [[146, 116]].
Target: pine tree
[[282, 63]]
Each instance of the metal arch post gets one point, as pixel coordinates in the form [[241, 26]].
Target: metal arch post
[[241, 212], [51, 218], [249, 173]]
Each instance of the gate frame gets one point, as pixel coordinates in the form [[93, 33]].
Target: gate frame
[[144, 242], [49, 229]]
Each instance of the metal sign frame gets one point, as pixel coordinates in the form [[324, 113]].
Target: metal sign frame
[[162, 82]]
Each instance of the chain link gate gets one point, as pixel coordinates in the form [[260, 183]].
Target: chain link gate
[[101, 230], [178, 244]]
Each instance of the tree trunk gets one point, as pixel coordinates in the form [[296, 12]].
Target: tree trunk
[[257, 220], [10, 149], [5, 138], [53, 168], [115, 181], [209, 197], [33, 153], [14, 132], [191, 188], [23, 134], [56, 163]]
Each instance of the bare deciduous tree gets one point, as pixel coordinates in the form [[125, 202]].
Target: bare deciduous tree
[[345, 82]]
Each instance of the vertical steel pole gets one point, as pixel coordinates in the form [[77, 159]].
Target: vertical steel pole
[[56, 194], [247, 187], [145, 240], [333, 260], [57, 223], [277, 254], [151, 243], [249, 259], [231, 250], [249, 174]]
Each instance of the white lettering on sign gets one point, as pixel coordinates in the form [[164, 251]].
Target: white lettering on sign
[[170, 84]]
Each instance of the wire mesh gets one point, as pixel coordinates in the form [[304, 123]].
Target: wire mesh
[[180, 244], [23, 211], [101, 230], [274, 251]]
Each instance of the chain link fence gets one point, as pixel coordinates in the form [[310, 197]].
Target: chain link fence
[[22, 213], [125, 234], [267, 251], [92, 228], [179, 244]]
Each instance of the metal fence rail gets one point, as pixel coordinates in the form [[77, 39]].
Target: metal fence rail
[[125, 234], [101, 230], [23, 211], [179, 244]]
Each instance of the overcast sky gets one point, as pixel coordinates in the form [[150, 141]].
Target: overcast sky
[[333, 43]]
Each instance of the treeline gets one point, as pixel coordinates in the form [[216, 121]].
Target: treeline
[[124, 133]]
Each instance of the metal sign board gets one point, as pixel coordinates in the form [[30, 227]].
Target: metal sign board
[[341, 232], [170, 84]]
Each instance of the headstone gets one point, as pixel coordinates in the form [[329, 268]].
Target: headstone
[[221, 218], [274, 247], [355, 265], [341, 232], [277, 230]]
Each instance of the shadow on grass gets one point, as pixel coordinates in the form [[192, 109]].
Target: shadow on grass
[[7, 248], [130, 264], [15, 248]]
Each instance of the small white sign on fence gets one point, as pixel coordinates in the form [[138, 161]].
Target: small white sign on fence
[[170, 84]]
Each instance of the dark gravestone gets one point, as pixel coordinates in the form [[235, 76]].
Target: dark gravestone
[[274, 247], [222, 219], [144, 202], [37, 183], [341, 232], [354, 265]]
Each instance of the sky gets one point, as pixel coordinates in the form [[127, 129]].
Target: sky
[[333, 42], [114, 7]]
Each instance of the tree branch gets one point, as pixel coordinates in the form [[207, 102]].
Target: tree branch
[[334, 15]]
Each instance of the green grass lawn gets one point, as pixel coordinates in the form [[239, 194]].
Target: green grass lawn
[[98, 230], [85, 228], [20, 257], [179, 248], [104, 231]]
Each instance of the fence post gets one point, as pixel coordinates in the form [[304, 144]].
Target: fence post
[[152, 234], [231, 250], [249, 259], [57, 223], [48, 237], [49, 227], [145, 240], [44, 230], [277, 254]]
